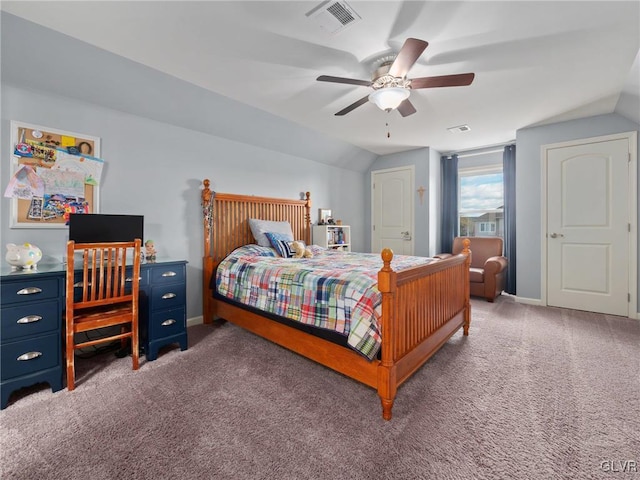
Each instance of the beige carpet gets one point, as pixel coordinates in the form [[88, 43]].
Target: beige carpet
[[532, 393]]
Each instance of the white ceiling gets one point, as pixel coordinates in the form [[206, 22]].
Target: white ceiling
[[535, 62]]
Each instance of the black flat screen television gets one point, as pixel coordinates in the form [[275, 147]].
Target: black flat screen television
[[97, 227]]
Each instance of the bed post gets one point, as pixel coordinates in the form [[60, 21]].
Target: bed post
[[207, 261], [307, 219], [467, 309], [387, 382]]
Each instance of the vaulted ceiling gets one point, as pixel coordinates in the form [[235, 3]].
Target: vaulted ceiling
[[534, 62]]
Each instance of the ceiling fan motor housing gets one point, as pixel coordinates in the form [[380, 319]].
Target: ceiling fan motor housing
[[382, 79]]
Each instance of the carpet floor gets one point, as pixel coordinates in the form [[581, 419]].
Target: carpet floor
[[532, 393]]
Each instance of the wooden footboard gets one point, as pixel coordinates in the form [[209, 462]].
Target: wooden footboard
[[421, 306]]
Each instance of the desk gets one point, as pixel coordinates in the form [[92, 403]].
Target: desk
[[32, 320]]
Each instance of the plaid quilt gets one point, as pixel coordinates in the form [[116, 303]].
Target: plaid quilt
[[333, 290]]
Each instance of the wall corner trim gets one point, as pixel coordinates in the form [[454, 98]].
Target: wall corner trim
[[529, 301], [195, 321]]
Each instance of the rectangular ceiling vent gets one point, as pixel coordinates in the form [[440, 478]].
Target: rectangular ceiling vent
[[333, 17], [459, 128]]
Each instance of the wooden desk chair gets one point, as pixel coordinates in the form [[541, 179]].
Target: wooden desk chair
[[103, 294]]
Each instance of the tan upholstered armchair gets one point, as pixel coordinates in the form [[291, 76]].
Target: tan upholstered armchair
[[488, 266]]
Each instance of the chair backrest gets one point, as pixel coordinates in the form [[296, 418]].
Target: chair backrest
[[481, 248], [109, 273]]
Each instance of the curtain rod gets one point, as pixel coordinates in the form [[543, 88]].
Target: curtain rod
[[465, 155], [475, 152]]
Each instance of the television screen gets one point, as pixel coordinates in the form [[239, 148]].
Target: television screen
[[97, 227]]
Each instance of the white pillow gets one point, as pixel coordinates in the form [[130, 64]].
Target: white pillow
[[260, 227]]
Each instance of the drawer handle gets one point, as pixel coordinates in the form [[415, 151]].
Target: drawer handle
[[29, 291], [169, 295], [81, 284], [29, 356], [130, 279], [169, 274], [29, 319], [166, 323]]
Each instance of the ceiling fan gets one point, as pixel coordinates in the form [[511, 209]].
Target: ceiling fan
[[391, 88]]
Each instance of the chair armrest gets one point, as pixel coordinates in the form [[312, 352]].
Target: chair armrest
[[442, 256], [495, 265]]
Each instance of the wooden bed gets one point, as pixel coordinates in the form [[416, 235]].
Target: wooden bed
[[422, 307]]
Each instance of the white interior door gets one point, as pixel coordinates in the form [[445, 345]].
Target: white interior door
[[392, 211], [588, 224]]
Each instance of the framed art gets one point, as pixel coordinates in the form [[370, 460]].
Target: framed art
[[324, 215], [67, 167]]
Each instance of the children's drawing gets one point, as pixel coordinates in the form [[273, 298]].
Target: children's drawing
[[25, 184], [90, 167], [69, 184]]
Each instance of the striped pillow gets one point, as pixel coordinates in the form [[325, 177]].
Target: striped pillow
[[282, 243]]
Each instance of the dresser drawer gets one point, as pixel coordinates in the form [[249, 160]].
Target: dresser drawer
[[168, 296], [144, 276], [29, 290], [167, 274], [30, 319], [29, 356], [167, 323]]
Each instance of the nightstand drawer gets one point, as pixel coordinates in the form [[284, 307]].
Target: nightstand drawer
[[167, 274], [28, 356], [168, 296], [30, 319], [29, 290], [167, 323]]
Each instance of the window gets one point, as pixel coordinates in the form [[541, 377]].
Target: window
[[487, 227], [481, 202]]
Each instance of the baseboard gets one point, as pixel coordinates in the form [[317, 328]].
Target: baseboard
[[195, 321], [529, 301]]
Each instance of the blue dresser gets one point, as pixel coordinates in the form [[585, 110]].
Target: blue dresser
[[164, 308], [31, 329], [32, 320]]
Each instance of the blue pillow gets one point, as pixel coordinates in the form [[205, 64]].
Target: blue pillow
[[282, 243]]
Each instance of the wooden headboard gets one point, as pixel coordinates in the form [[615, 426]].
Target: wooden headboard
[[226, 226]]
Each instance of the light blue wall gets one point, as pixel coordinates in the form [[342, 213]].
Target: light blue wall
[[420, 159], [162, 136], [434, 196], [529, 142]]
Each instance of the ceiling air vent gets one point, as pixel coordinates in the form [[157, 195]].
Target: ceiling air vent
[[333, 17], [459, 128]]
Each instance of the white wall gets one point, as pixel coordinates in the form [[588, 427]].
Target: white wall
[[528, 187]]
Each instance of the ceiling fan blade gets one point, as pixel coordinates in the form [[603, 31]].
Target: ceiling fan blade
[[459, 80], [406, 108], [353, 106], [407, 56], [350, 81]]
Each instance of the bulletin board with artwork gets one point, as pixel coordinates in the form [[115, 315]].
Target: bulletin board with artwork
[[54, 173]]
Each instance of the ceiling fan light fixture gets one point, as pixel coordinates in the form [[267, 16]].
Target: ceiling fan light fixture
[[389, 98]]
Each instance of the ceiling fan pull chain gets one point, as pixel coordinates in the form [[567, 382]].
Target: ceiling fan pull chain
[[388, 131]]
